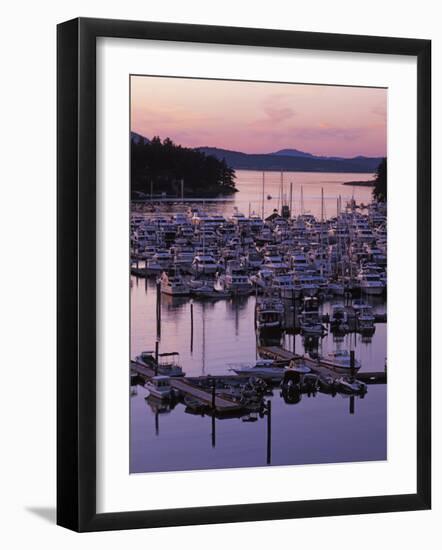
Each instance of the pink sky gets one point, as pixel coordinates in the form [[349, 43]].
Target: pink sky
[[261, 117]]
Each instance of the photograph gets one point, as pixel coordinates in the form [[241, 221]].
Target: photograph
[[258, 274], [231, 309]]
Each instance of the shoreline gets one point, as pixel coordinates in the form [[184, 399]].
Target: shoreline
[[301, 171], [367, 183]]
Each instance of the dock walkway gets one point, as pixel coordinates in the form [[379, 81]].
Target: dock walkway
[[367, 377], [141, 369], [221, 404], [277, 353], [282, 354], [183, 385]]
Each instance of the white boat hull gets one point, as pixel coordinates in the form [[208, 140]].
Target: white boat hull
[[155, 392]]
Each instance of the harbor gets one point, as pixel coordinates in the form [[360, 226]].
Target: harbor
[[261, 312]]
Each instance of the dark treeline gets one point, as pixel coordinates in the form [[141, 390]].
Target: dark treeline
[[159, 166], [380, 182]]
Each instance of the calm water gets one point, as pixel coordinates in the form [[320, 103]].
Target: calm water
[[318, 429], [249, 184], [249, 197]]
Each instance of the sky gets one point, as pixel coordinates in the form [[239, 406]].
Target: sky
[[261, 117]]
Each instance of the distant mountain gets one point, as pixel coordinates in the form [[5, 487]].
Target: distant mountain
[[292, 153], [297, 153], [292, 160], [284, 159], [138, 138]]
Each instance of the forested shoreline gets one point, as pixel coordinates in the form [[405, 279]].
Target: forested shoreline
[[162, 167]]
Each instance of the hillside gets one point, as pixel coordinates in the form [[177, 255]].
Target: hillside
[[292, 160]]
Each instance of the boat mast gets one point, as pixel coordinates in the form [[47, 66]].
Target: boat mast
[[291, 198], [263, 184], [203, 349], [321, 243], [279, 199]]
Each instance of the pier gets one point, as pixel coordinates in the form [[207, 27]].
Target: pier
[[320, 368], [186, 387], [278, 353], [221, 405], [206, 392]]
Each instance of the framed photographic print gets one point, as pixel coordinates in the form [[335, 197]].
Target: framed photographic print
[[243, 309]]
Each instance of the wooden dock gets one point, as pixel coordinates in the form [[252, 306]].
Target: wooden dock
[[222, 405], [280, 354], [367, 377], [277, 353], [185, 387], [142, 370]]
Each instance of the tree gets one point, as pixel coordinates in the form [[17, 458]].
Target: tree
[[380, 182], [165, 164]]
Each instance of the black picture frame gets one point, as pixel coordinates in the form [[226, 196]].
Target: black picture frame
[[76, 273]]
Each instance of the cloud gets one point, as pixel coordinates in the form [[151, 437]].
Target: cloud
[[380, 109], [277, 111], [327, 132], [279, 114]]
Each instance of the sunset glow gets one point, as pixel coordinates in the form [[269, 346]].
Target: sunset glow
[[257, 117]]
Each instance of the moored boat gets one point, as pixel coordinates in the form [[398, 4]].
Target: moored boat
[[340, 361], [173, 284], [264, 368], [269, 316], [167, 364], [159, 386]]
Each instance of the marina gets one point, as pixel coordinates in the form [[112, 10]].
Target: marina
[[260, 304]]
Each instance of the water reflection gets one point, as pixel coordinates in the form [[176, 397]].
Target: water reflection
[[223, 334], [299, 423]]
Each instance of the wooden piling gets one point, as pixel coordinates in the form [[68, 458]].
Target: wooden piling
[[352, 363], [352, 404], [157, 344], [269, 431], [213, 413], [158, 309], [294, 321], [213, 431], [191, 327], [213, 396]]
